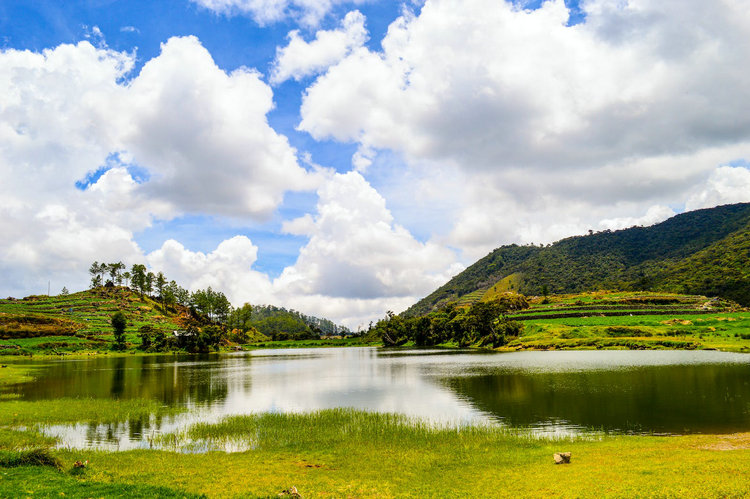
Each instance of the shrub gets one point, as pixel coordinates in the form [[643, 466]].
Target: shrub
[[146, 333]]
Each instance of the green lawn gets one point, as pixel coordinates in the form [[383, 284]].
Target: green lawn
[[345, 453]]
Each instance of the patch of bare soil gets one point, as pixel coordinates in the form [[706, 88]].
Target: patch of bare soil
[[735, 441]]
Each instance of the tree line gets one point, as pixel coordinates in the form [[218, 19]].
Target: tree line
[[483, 324], [208, 302]]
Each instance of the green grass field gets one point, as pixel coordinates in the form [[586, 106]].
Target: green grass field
[[346, 453]]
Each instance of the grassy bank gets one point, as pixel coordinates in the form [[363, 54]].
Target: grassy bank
[[11, 374], [349, 453]]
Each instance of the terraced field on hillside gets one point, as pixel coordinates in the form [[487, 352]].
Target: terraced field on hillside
[[633, 320], [77, 322]]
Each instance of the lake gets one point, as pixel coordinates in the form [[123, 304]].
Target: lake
[[562, 392]]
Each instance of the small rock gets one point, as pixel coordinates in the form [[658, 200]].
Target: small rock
[[291, 492], [562, 457]]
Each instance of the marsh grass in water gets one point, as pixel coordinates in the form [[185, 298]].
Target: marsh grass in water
[[23, 439], [338, 453], [74, 410], [337, 427]]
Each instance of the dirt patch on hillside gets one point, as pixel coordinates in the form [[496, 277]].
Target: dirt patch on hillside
[[682, 322]]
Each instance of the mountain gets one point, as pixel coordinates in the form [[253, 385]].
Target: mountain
[[703, 252]]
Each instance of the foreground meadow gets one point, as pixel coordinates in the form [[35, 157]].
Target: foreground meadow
[[347, 453]]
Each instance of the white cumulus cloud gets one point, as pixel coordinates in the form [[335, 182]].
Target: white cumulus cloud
[[183, 136], [205, 136], [228, 269], [725, 185], [553, 128], [357, 254], [299, 58]]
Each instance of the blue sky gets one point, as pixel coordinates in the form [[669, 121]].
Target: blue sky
[[346, 157]]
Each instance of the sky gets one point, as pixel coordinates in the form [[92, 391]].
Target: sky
[[347, 157]]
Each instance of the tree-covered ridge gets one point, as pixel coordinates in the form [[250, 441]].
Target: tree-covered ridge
[[722, 269], [709, 243], [279, 323]]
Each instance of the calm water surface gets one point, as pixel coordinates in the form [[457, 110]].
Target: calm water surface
[[665, 392]]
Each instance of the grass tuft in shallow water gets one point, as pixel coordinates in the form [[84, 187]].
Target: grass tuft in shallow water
[[74, 410], [336, 427]]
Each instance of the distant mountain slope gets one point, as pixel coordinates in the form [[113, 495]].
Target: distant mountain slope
[[703, 252]]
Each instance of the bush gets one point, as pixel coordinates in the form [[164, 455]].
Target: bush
[[146, 333]]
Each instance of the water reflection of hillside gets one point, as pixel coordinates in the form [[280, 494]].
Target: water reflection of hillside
[[171, 380], [674, 399]]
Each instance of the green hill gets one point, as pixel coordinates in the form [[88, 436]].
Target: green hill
[[704, 252], [81, 321]]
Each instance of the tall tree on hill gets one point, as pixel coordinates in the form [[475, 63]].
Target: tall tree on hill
[[213, 304], [96, 279], [181, 295], [241, 318], [202, 301], [168, 298], [149, 283], [222, 307], [115, 272], [161, 282], [126, 278], [138, 277], [102, 271]]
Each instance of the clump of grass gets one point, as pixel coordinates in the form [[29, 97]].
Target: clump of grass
[[336, 428], [33, 457], [23, 439]]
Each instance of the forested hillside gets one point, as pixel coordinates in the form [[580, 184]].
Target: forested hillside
[[279, 323], [701, 252]]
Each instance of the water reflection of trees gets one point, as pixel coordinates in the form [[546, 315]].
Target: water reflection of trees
[[192, 381], [668, 399], [171, 380]]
